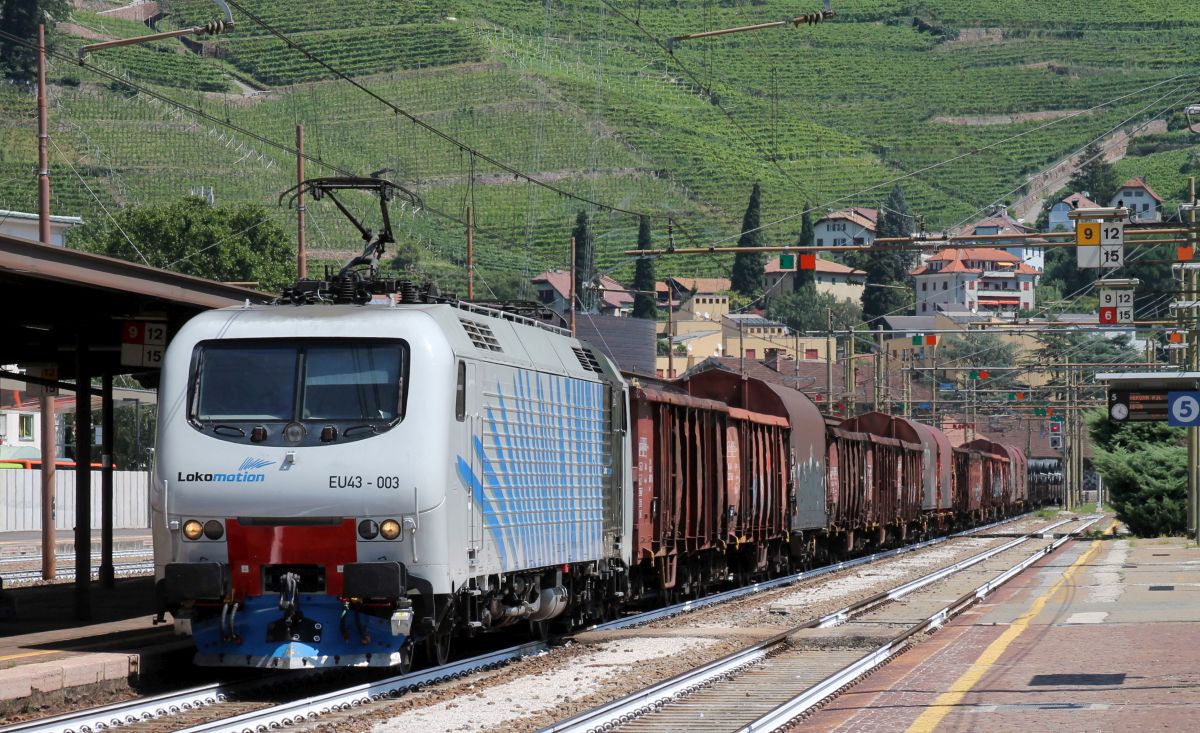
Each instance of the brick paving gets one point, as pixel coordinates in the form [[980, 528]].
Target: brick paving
[[1116, 649]]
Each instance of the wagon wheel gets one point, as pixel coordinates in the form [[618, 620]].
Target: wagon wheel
[[437, 644]]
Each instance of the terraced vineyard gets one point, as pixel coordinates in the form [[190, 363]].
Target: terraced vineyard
[[578, 95]]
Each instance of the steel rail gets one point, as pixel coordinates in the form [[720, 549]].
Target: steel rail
[[134, 711], [746, 590], [651, 698], [166, 704], [62, 573], [779, 718], [70, 556], [300, 711]]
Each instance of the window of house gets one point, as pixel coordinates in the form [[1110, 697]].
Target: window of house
[[1025, 285], [25, 428], [1137, 194], [924, 287], [820, 241], [945, 286], [924, 307], [810, 354], [970, 285], [839, 241], [751, 354], [546, 296], [1145, 207]]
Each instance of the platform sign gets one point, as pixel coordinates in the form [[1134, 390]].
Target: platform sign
[[1100, 244], [1143, 405], [1087, 243], [143, 343], [1183, 409], [1116, 306]]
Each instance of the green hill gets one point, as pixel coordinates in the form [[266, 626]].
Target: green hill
[[578, 95]]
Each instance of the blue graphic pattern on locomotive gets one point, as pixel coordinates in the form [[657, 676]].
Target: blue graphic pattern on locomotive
[[543, 465]]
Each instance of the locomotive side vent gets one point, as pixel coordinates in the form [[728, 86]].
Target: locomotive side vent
[[587, 359], [481, 335]]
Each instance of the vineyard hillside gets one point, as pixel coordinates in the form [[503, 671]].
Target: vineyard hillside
[[962, 101]]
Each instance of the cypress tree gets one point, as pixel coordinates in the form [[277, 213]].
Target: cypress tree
[[585, 264], [21, 18], [748, 266], [1095, 175], [644, 305], [888, 267]]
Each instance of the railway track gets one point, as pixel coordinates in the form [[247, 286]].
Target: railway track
[[244, 706], [69, 557], [772, 683], [119, 569]]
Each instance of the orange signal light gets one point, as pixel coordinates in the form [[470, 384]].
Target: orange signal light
[[1175, 337]]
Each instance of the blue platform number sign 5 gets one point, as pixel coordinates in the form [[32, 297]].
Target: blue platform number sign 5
[[1183, 409]]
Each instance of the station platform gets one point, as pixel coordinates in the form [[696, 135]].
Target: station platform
[[1100, 636], [45, 652]]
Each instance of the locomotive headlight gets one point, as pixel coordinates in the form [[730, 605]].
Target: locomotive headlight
[[294, 432], [192, 529], [368, 529], [390, 529], [213, 530]]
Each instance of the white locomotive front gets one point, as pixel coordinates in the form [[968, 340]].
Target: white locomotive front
[[333, 482]]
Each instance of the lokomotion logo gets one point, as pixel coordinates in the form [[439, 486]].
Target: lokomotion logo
[[247, 473]]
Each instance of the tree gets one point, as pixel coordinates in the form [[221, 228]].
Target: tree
[[981, 349], [585, 264], [803, 278], [808, 310], [240, 244], [748, 266], [1144, 465], [888, 269], [644, 304], [1095, 175], [21, 18]]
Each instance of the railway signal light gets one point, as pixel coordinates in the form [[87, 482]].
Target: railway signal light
[[924, 340], [1056, 442]]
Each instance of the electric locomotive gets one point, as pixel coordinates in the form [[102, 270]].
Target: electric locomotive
[[336, 481]]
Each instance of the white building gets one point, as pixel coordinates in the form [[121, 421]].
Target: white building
[[26, 226], [1059, 221], [980, 279], [848, 226], [834, 278], [1144, 205], [1001, 223]]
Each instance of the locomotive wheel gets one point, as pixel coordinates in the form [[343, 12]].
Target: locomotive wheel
[[406, 657], [437, 644], [539, 630]]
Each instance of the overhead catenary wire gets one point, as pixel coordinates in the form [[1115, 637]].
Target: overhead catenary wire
[[447, 137]]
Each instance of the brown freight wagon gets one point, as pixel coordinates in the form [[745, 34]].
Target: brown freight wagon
[[808, 505], [710, 490], [983, 485], [891, 456]]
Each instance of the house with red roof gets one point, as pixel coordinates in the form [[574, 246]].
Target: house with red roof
[[834, 278], [979, 279], [1059, 221], [1144, 204], [855, 225], [1000, 223], [554, 291]]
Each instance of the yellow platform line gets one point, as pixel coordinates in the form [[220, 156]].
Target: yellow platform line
[[22, 655], [933, 715]]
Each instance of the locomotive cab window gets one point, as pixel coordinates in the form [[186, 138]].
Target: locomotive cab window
[[290, 393]]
